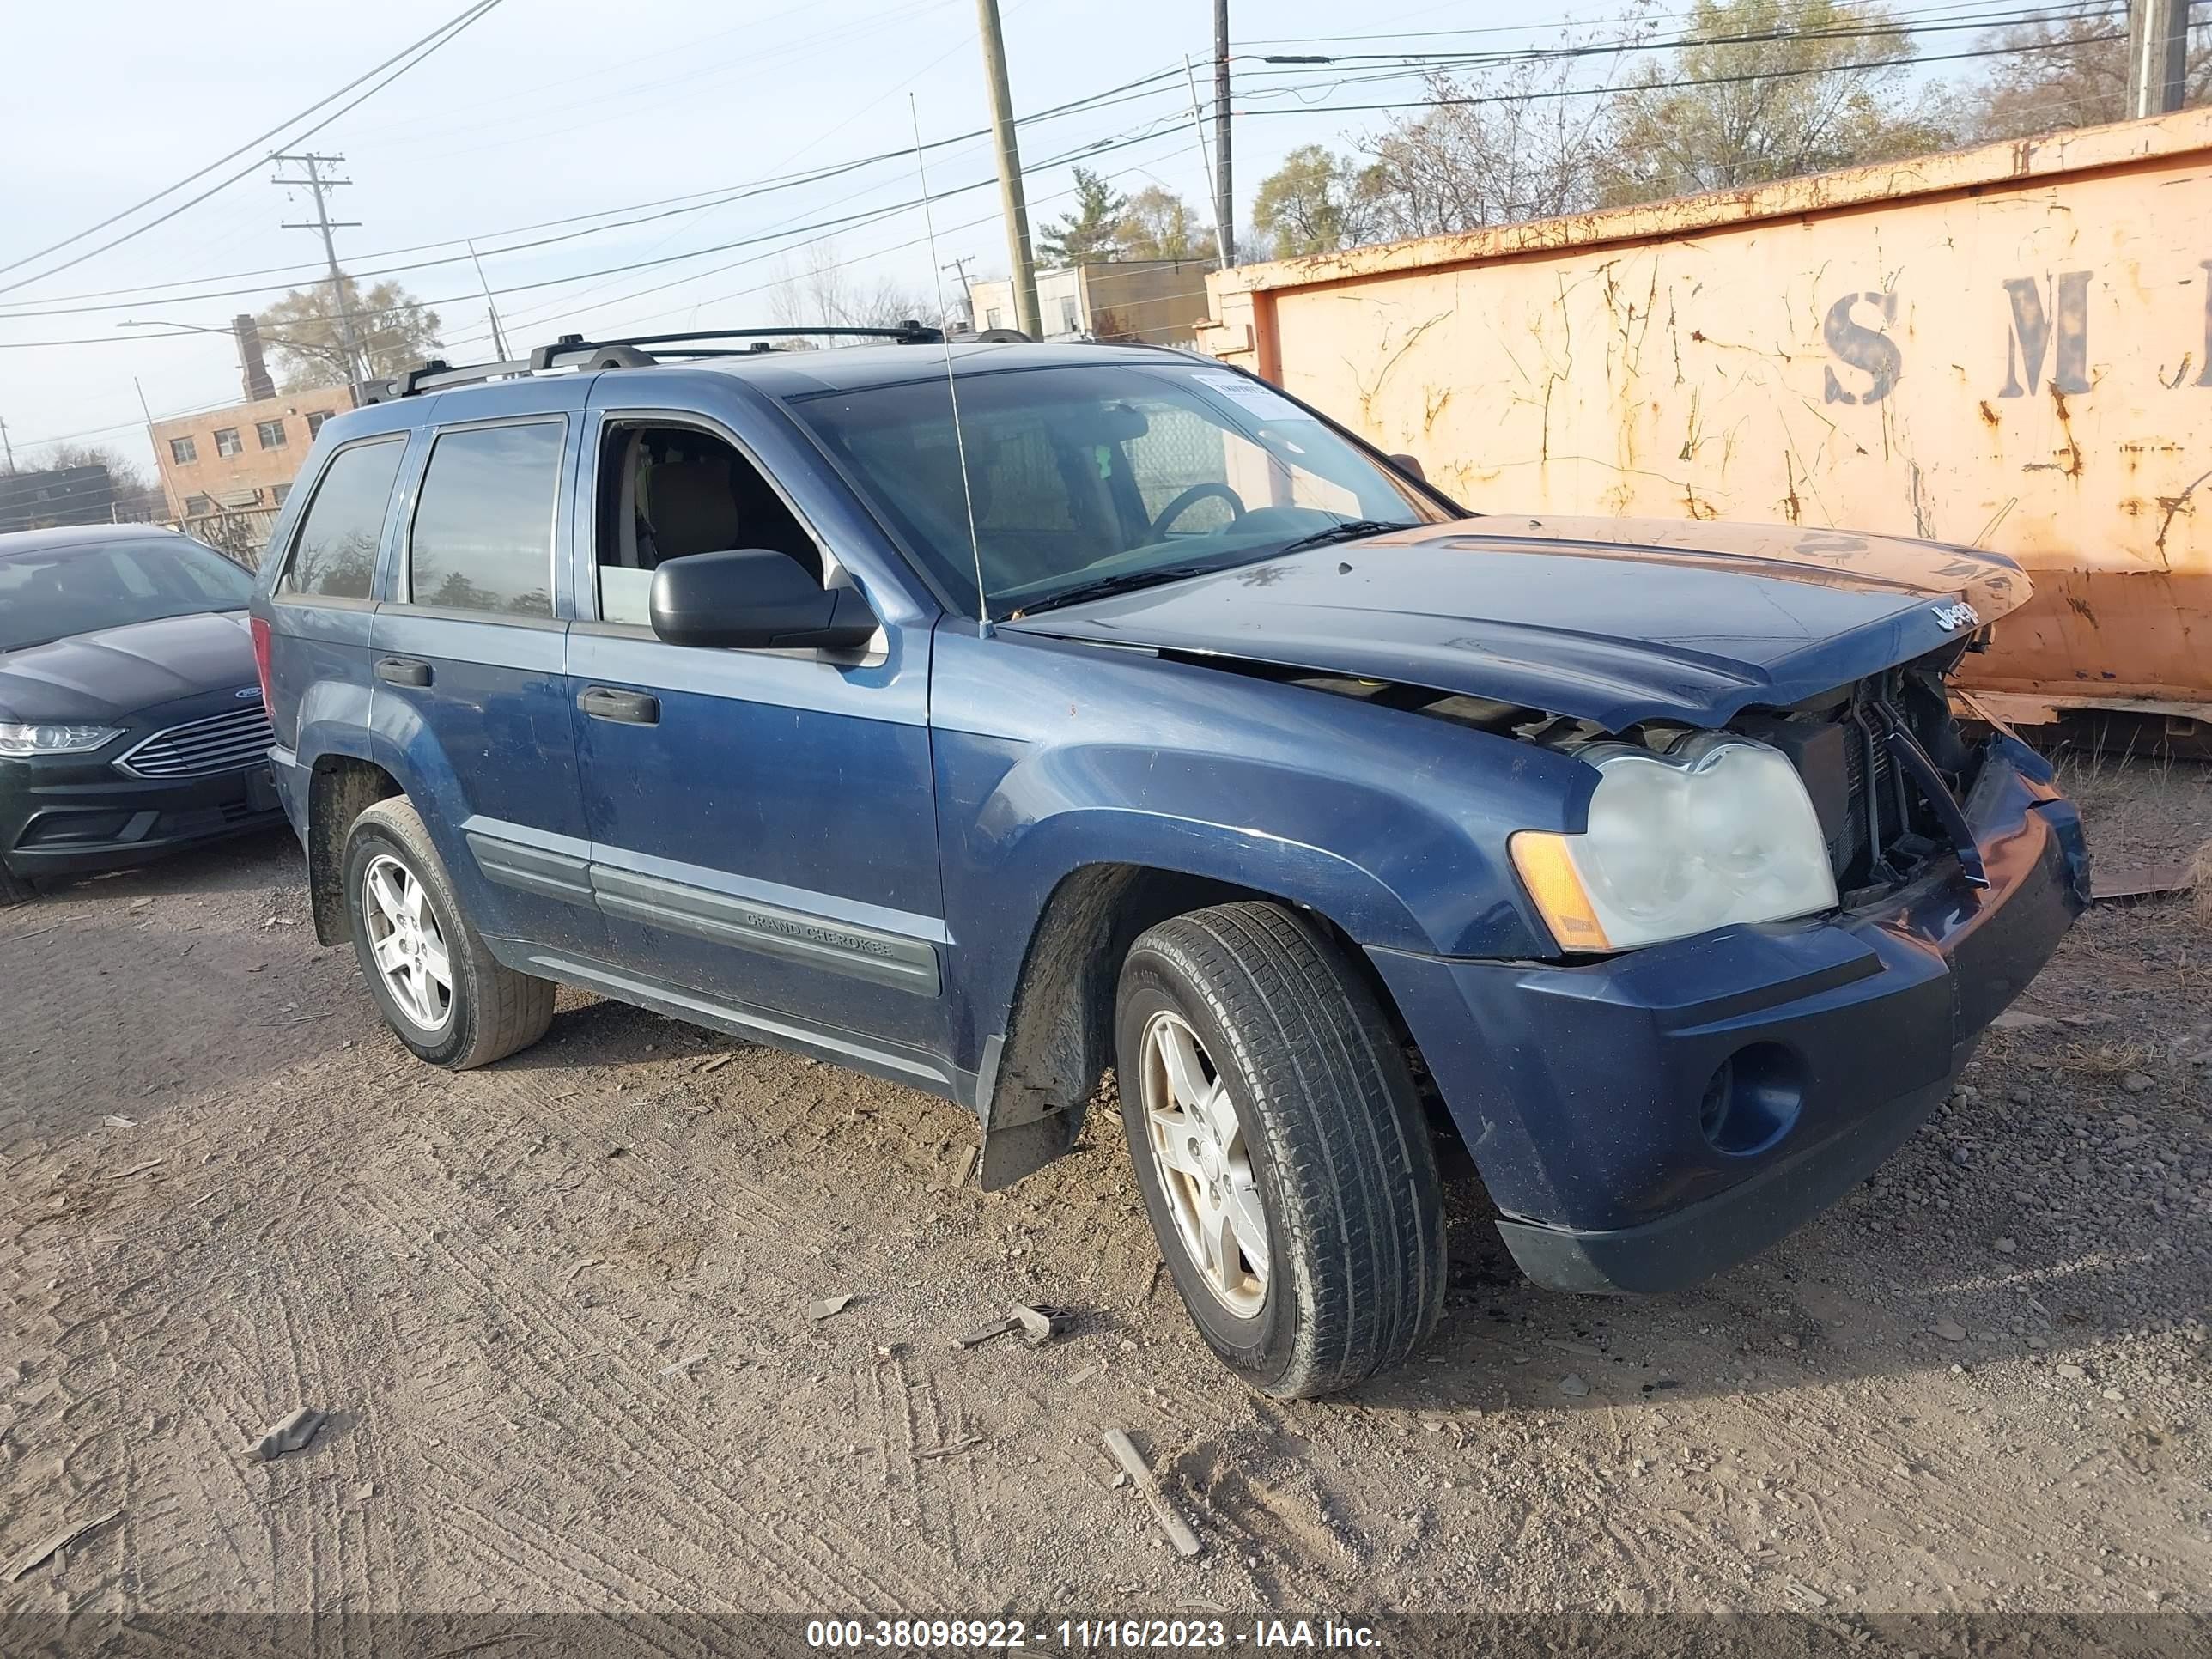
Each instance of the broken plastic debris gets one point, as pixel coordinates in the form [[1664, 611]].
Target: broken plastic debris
[[1039, 1325], [826, 1307], [294, 1432], [48, 1548], [1133, 1464]]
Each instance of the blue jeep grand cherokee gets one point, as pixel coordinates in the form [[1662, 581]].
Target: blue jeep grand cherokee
[[986, 718]]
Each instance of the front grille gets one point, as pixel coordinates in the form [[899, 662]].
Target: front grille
[[1860, 746], [201, 749]]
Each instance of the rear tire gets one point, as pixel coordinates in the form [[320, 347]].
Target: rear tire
[[1318, 1146], [407, 926]]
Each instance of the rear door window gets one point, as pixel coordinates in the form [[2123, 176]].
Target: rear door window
[[334, 556], [484, 530]]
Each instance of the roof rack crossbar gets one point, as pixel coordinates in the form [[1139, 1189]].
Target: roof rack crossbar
[[436, 375], [910, 332], [575, 351]]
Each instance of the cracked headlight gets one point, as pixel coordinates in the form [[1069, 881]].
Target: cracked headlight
[[1720, 831], [46, 737]]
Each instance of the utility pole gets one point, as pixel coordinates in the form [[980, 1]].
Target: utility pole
[[2158, 56], [322, 221], [967, 288], [1224, 195], [1012, 202], [6, 446], [491, 311], [1206, 164]]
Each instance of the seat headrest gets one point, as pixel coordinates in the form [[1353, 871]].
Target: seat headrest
[[691, 508]]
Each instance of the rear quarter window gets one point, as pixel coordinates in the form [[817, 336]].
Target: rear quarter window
[[334, 554], [483, 538]]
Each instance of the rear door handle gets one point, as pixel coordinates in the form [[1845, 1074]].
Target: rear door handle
[[403, 670], [603, 702]]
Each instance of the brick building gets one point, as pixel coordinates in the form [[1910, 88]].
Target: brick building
[[244, 457]]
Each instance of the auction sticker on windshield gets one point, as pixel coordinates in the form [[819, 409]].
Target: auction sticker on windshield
[[1260, 398]]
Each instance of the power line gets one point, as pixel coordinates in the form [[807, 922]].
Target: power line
[[830, 226], [1703, 80], [1427, 62], [441, 36], [1625, 18], [166, 294], [45, 307], [1157, 81]]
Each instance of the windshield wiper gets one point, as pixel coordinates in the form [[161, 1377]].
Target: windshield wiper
[[1351, 530], [1127, 581]]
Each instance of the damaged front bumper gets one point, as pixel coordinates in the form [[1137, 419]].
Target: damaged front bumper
[[1644, 1121]]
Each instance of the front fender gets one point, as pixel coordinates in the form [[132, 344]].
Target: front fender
[[1055, 758]]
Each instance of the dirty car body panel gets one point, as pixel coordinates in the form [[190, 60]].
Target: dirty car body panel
[[907, 857]]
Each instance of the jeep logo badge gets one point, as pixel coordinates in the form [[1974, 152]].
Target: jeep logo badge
[[1956, 616]]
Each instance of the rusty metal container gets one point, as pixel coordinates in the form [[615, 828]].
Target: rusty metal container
[[2008, 348]]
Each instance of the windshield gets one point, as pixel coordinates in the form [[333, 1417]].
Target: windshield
[[55, 592], [1095, 475]]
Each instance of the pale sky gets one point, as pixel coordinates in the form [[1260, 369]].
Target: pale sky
[[550, 108]]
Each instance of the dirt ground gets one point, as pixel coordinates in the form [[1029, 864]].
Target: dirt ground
[[559, 1312]]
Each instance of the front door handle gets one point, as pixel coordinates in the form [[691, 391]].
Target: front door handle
[[603, 702], [403, 670]]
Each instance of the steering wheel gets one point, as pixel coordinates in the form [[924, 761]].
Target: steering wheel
[[1191, 498]]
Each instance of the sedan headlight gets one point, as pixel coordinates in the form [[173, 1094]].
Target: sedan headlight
[[1720, 831], [44, 737]]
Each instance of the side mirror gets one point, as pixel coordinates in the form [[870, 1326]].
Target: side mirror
[[1410, 466], [755, 598]]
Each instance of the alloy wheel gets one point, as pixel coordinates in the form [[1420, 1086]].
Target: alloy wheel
[[410, 948], [1204, 1164]]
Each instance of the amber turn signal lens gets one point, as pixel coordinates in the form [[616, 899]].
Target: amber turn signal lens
[[1547, 871]]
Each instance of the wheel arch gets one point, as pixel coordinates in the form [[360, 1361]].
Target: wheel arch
[[340, 787], [1036, 1083]]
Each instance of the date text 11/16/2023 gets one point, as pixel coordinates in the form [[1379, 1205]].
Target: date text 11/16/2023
[[1088, 1634]]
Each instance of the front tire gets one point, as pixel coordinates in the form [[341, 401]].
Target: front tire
[[14, 889], [441, 991], [1279, 1147]]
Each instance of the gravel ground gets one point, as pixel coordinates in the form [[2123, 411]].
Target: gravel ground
[[559, 1312]]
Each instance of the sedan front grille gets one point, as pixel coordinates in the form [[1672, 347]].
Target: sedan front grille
[[201, 749]]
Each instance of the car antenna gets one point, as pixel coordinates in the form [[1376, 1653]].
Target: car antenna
[[952, 391]]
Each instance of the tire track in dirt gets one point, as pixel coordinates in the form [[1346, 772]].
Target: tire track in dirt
[[500, 1286], [602, 1401]]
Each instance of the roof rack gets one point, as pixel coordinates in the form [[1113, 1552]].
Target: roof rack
[[575, 351], [435, 375]]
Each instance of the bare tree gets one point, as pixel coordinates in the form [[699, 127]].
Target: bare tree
[[1523, 140], [2068, 67], [133, 496], [1774, 88], [818, 288], [304, 333]]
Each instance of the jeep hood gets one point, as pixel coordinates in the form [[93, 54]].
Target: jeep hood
[[1607, 620]]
